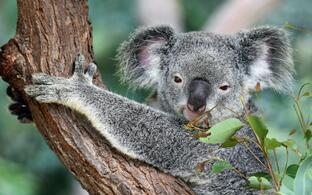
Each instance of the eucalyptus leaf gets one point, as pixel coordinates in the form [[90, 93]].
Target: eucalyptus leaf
[[292, 132], [220, 166], [271, 143], [287, 185], [290, 144], [223, 131], [263, 174], [259, 127], [310, 173], [259, 183], [292, 170], [306, 94], [303, 180], [308, 135], [230, 142]]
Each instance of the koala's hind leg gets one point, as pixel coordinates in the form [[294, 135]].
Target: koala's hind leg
[[19, 107]]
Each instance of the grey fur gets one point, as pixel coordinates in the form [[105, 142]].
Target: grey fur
[[280, 59], [157, 137], [129, 66], [232, 59]]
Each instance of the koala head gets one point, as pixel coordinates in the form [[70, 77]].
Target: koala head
[[196, 71]]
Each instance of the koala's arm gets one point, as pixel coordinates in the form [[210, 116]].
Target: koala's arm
[[134, 129], [139, 131]]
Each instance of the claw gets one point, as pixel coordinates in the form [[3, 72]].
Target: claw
[[79, 62], [25, 118], [91, 70], [14, 95], [18, 108]]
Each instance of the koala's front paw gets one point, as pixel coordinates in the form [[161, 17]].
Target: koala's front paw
[[50, 89]]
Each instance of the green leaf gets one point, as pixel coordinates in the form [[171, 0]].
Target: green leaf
[[220, 166], [309, 173], [230, 142], [291, 144], [292, 132], [303, 178], [308, 135], [271, 143], [259, 183], [306, 94], [222, 131], [287, 185], [263, 174], [259, 127], [277, 176], [292, 170], [309, 152]]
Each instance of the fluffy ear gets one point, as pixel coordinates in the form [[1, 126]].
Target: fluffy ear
[[140, 57], [265, 57]]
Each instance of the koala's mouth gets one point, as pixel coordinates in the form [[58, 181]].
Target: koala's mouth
[[191, 115]]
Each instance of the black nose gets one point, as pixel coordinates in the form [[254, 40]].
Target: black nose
[[198, 93]]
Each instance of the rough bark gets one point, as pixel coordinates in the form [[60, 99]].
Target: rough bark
[[49, 36]]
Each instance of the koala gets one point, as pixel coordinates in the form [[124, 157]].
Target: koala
[[196, 72], [191, 73]]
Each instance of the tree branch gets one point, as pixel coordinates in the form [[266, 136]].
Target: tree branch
[[49, 36], [235, 15]]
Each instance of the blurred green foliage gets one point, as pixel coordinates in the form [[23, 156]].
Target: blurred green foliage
[[27, 166], [195, 20], [15, 180]]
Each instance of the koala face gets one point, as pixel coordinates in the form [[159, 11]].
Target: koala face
[[197, 76], [198, 71]]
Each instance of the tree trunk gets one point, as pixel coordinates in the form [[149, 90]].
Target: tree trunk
[[49, 36]]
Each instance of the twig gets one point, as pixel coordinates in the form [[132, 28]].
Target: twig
[[276, 162], [266, 157], [299, 113], [254, 155], [297, 28], [276, 184], [253, 141], [285, 168], [240, 173], [241, 99], [193, 124], [236, 113]]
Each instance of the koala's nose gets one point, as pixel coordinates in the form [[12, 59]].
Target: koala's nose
[[198, 93], [198, 108]]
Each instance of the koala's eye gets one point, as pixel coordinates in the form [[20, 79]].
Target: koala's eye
[[224, 87], [177, 78]]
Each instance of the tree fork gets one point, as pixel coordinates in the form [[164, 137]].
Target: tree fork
[[48, 37]]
